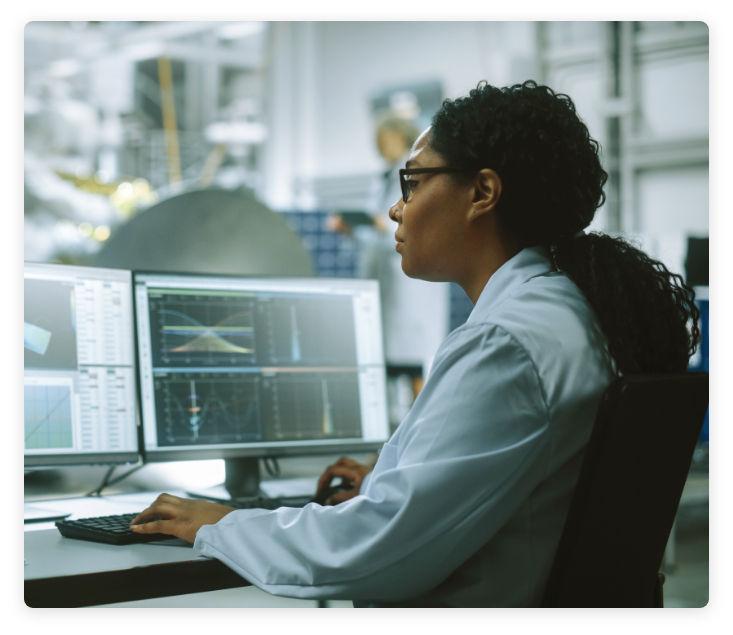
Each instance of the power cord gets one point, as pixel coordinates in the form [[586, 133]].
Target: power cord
[[272, 467]]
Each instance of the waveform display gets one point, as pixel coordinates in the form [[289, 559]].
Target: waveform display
[[201, 330], [47, 417], [313, 405], [200, 409], [304, 331]]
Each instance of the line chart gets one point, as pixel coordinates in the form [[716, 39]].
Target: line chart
[[204, 410], [47, 419]]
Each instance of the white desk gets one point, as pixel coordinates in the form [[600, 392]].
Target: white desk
[[63, 572]]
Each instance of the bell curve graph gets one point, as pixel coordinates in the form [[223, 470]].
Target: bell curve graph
[[211, 330]]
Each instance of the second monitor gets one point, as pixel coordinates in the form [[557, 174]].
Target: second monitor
[[246, 368]]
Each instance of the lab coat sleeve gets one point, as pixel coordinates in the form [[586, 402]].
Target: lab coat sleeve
[[474, 446]]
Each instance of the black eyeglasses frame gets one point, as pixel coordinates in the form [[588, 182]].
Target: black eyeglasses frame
[[410, 171]]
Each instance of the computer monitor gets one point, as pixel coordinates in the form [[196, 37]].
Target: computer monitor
[[79, 367], [243, 368]]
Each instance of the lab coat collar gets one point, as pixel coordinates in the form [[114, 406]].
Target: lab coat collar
[[528, 263]]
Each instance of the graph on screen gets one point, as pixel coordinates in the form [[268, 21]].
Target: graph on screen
[[196, 408], [47, 417], [311, 405], [306, 331], [216, 329]]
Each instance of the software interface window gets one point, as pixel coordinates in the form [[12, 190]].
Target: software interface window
[[277, 363], [79, 381]]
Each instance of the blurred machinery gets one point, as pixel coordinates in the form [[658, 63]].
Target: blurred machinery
[[208, 231]]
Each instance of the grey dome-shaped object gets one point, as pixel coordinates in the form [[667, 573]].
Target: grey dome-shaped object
[[208, 231]]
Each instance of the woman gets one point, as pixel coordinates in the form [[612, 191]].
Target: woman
[[467, 501]]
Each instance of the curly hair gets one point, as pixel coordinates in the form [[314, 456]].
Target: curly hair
[[552, 185]]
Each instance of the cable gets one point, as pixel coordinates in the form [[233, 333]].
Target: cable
[[126, 474], [103, 484], [108, 483], [272, 467]]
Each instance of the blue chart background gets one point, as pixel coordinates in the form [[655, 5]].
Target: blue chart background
[[702, 362], [334, 256]]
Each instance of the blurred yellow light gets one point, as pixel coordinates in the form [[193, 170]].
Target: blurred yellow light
[[125, 189], [101, 233], [141, 187], [85, 229]]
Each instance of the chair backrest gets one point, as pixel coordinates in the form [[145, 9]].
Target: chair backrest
[[628, 491]]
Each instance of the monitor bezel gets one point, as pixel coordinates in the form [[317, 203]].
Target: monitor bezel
[[287, 449], [77, 459], [54, 461]]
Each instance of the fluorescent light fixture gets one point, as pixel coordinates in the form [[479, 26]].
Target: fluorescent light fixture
[[143, 51], [65, 68], [238, 132], [236, 30]]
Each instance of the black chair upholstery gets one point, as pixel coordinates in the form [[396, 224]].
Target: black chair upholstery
[[628, 491]]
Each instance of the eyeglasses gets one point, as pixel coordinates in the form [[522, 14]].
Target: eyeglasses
[[404, 173]]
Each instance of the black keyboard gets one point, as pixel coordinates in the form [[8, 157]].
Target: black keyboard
[[115, 530]]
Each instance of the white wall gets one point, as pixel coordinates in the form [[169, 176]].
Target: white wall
[[324, 74], [348, 62]]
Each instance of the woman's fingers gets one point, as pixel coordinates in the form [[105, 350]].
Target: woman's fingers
[[335, 499], [156, 509], [346, 473], [327, 476], [154, 527], [346, 468]]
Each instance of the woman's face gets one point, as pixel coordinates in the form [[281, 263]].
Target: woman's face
[[431, 225]]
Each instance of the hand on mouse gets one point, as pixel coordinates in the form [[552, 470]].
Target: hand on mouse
[[348, 470], [180, 517]]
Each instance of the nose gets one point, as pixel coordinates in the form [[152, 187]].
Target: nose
[[395, 210]]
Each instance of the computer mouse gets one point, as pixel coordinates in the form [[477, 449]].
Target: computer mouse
[[322, 497]]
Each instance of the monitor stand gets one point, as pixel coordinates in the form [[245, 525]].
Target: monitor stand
[[241, 482]]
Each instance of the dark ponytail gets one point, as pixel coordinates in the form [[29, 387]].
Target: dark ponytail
[[552, 186]]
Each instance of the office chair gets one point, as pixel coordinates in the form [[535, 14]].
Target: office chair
[[628, 491]]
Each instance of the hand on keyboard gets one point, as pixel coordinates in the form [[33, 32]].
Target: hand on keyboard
[[352, 474], [180, 517]]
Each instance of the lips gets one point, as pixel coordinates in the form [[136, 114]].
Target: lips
[[398, 239]]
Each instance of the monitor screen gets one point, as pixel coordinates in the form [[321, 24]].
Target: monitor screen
[[79, 368], [256, 367]]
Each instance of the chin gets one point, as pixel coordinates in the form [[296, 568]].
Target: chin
[[420, 273]]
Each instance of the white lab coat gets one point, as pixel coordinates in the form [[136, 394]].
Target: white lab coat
[[415, 313], [467, 501]]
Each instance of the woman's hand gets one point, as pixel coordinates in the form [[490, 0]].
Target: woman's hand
[[180, 517], [350, 471]]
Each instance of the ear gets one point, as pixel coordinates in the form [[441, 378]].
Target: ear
[[487, 192]]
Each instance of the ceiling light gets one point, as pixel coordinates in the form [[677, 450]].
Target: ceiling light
[[143, 51], [64, 68], [238, 132], [236, 30]]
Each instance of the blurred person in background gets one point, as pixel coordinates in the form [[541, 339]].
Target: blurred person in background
[[414, 312]]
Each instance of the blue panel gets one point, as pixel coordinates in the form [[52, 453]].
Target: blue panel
[[701, 360], [333, 254]]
